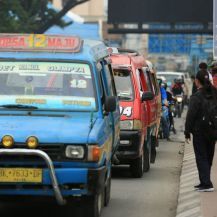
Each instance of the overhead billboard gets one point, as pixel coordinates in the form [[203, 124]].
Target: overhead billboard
[[163, 11]]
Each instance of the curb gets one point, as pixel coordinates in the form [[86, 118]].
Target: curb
[[189, 202]]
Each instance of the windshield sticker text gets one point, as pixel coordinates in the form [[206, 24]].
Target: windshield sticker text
[[78, 84], [38, 67], [76, 102], [31, 101]]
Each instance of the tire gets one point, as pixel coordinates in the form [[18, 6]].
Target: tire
[[179, 111], [160, 132], [173, 127], [108, 192], [153, 149], [137, 167], [147, 159], [94, 204]]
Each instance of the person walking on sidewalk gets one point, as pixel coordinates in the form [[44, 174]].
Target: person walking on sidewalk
[[204, 66], [214, 73], [204, 146], [194, 87]]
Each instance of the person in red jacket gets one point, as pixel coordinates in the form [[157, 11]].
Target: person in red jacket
[[177, 88]]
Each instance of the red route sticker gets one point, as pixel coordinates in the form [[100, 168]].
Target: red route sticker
[[40, 42]]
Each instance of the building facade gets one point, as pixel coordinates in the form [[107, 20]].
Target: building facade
[[91, 11]]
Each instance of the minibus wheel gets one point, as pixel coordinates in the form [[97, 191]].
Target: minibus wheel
[[137, 167], [147, 158], [108, 191], [95, 204], [153, 149], [179, 111]]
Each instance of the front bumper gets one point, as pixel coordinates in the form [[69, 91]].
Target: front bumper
[[57, 182], [127, 152]]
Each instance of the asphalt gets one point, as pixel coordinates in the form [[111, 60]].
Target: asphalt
[[154, 195], [165, 191]]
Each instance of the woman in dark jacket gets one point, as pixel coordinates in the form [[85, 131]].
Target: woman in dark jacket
[[204, 147]]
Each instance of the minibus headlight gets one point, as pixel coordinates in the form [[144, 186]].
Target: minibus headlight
[[8, 141], [126, 125], [131, 125], [137, 125], [75, 152], [32, 142]]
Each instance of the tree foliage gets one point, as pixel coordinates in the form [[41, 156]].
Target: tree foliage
[[32, 16]]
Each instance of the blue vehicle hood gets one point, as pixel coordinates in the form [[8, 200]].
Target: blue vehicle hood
[[71, 129]]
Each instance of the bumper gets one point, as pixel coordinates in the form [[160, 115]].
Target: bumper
[[58, 183], [130, 145]]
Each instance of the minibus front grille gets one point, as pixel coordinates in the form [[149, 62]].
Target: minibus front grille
[[55, 152]]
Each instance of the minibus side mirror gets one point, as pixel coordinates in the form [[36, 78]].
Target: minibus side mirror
[[110, 104], [148, 95]]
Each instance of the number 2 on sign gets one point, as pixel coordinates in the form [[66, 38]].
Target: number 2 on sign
[[37, 41], [40, 40]]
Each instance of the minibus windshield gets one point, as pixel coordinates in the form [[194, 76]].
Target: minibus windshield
[[47, 85], [123, 84]]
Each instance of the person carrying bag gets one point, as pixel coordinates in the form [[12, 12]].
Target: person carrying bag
[[201, 122]]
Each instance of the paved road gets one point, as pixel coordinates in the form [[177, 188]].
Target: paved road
[[155, 195]]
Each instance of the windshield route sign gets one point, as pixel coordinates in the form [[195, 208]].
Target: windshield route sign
[[40, 42]]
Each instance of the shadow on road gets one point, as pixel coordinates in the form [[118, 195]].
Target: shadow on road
[[120, 172], [42, 210]]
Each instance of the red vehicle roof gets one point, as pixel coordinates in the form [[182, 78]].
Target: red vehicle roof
[[127, 60]]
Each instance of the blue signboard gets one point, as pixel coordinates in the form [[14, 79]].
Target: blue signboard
[[170, 44]]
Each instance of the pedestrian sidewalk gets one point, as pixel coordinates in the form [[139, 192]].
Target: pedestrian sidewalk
[[209, 200], [190, 202]]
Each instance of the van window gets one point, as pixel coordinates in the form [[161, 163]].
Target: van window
[[99, 69], [142, 81], [110, 79], [123, 83], [148, 80], [155, 84], [103, 94]]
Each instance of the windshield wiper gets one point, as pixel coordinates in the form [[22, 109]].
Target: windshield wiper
[[18, 106]]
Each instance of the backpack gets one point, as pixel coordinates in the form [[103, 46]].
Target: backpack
[[209, 118]]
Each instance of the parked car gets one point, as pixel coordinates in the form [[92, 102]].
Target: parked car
[[60, 119], [139, 112]]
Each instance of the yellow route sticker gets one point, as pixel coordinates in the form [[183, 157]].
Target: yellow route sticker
[[76, 102], [31, 101]]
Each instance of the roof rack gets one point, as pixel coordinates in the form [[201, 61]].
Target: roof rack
[[115, 50], [128, 51]]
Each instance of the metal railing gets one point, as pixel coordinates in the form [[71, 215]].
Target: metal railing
[[59, 198]]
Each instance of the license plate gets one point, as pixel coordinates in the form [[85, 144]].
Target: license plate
[[20, 175]]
